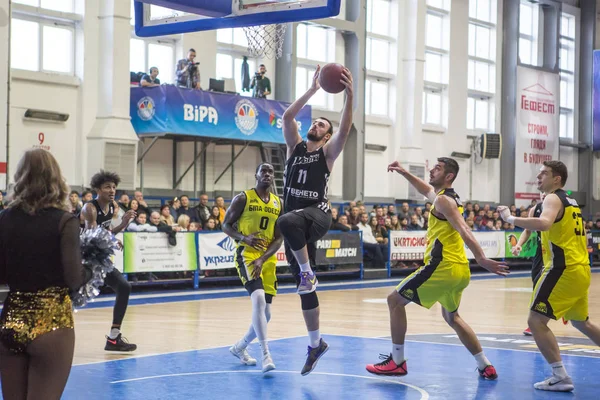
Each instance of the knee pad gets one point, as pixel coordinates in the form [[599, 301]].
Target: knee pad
[[291, 228], [309, 301]]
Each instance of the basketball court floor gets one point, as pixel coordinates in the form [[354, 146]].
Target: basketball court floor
[[183, 340]]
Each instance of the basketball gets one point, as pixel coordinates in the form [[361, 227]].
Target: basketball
[[330, 76]]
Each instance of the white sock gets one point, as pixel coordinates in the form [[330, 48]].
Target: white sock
[[264, 346], [251, 334], [305, 267], [243, 343], [114, 332], [398, 353], [315, 338], [482, 360], [259, 319], [558, 370]]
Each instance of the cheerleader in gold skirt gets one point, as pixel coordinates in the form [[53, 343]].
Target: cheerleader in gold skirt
[[40, 260]]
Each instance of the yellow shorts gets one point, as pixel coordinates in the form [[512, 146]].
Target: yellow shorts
[[562, 293], [267, 275], [441, 282]]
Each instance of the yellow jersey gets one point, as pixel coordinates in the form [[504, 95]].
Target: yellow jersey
[[564, 246], [258, 216], [444, 243]]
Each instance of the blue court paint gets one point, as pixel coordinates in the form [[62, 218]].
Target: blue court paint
[[436, 371]]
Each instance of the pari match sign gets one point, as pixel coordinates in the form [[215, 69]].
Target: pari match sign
[[151, 252], [411, 245], [217, 251], [339, 248], [171, 110]]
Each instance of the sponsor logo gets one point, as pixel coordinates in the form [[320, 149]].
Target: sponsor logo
[[537, 102], [408, 293], [414, 241], [309, 194], [246, 117], [227, 244], [146, 108], [200, 114], [216, 260], [272, 118], [541, 307], [253, 201], [334, 250]]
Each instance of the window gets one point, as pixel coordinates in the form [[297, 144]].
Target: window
[[528, 32], [55, 5], [234, 36], [378, 17], [435, 33], [432, 108], [567, 75], [442, 4], [304, 76], [314, 34], [229, 66], [146, 53], [377, 97], [378, 55], [481, 73]]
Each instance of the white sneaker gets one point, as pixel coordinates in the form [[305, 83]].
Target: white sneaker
[[556, 384], [267, 363], [243, 355]]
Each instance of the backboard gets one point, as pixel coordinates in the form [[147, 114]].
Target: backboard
[[167, 17]]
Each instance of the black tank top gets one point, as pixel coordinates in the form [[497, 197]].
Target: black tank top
[[306, 179], [537, 259], [102, 219]]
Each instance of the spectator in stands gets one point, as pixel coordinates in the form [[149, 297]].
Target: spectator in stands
[[414, 224], [134, 205], [140, 224], [395, 223], [513, 209], [524, 213], [428, 206], [3, 204], [496, 215], [124, 201], [143, 206], [380, 215], [349, 208], [498, 225], [489, 216], [362, 209], [74, 202], [343, 220], [188, 72], [220, 202], [337, 225], [589, 225], [184, 222], [203, 208], [403, 224], [165, 215], [185, 209], [488, 227], [195, 227], [471, 224], [161, 226], [597, 224], [506, 226], [404, 211], [86, 196], [426, 219], [371, 247], [468, 209], [476, 208], [354, 217], [391, 210], [420, 218], [471, 214], [334, 214], [215, 213], [174, 206], [211, 225], [379, 231], [150, 80]]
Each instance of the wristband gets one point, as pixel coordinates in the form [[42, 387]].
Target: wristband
[[511, 220]]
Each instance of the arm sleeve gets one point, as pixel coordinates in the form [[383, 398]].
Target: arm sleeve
[[70, 252]]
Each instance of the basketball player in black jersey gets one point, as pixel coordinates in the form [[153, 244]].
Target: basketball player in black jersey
[[537, 263], [100, 211], [307, 213]]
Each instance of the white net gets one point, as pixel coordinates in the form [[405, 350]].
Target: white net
[[265, 40]]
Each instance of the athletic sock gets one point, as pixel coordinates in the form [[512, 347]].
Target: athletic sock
[[114, 332], [398, 353], [242, 344], [558, 370], [315, 338], [305, 267], [482, 360], [264, 346]]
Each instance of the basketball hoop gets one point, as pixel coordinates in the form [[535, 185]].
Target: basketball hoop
[[265, 40]]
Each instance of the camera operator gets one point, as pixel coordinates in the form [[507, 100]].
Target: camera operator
[[261, 84], [188, 71], [150, 80]]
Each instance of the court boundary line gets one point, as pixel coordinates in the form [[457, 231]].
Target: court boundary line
[[423, 392]]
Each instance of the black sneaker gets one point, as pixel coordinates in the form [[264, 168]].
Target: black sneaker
[[119, 344], [313, 356]]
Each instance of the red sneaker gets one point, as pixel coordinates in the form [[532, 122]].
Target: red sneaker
[[488, 373], [565, 322], [387, 366], [527, 332]]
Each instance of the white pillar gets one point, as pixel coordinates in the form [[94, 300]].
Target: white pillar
[[4, 69], [112, 128]]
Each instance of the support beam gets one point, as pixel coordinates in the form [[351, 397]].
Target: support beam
[[232, 161], [190, 166], [174, 169], [147, 149]]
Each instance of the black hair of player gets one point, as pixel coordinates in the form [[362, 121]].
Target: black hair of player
[[103, 177], [450, 166], [330, 129], [558, 169]]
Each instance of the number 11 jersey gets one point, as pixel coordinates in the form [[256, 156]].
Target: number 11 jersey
[[306, 179]]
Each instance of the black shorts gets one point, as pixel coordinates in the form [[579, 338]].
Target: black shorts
[[315, 223]]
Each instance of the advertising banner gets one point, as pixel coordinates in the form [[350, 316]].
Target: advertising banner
[[529, 248], [167, 109], [337, 248], [538, 117], [407, 245], [151, 252], [492, 244]]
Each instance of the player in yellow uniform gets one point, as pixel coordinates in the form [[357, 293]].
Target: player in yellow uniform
[[255, 213], [446, 271], [562, 289]]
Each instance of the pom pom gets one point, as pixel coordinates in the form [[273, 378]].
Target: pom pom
[[97, 248]]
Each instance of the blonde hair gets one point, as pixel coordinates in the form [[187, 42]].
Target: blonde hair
[[39, 183], [183, 221]]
